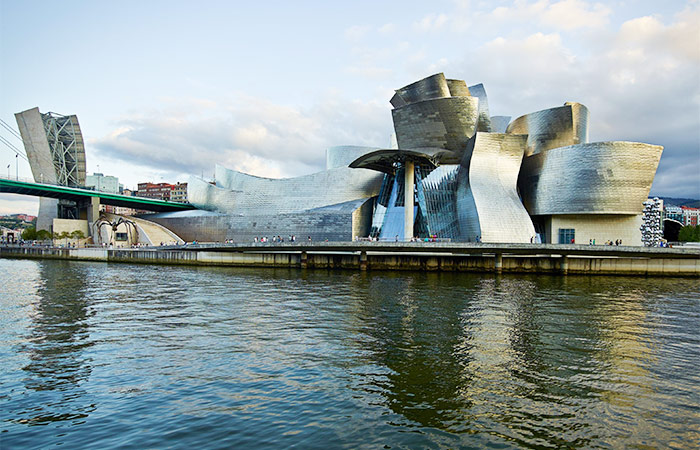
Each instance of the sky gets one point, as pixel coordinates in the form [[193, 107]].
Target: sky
[[164, 90]]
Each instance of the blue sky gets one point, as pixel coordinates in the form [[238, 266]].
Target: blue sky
[[167, 89]]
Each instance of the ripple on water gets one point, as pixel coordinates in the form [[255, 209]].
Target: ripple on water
[[121, 356]]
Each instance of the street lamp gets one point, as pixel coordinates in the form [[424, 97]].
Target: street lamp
[[17, 167], [8, 171]]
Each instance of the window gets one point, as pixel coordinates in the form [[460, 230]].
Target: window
[[121, 236], [567, 235]]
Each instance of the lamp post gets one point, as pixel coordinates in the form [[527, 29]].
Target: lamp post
[[17, 167], [8, 171]]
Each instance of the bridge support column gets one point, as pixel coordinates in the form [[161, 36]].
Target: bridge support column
[[93, 212], [564, 265], [304, 260], [363, 260], [498, 263]]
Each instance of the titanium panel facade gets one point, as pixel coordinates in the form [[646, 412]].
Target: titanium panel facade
[[488, 206], [594, 178], [477, 178], [552, 128], [499, 124], [458, 88], [443, 123], [338, 223], [434, 86], [479, 92], [239, 193]]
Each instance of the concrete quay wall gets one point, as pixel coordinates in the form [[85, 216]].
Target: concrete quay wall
[[666, 265]]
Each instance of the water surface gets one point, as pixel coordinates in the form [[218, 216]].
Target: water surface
[[132, 356]]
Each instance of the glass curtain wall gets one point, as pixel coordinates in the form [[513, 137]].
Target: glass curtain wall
[[435, 211], [436, 198]]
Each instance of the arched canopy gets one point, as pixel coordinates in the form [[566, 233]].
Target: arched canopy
[[384, 160]]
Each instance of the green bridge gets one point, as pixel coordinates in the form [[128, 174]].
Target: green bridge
[[80, 194]]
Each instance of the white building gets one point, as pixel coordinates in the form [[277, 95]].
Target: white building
[[103, 183]]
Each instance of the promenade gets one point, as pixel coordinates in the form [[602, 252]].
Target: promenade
[[419, 256]]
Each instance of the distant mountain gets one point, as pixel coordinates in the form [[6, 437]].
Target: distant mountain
[[693, 203]]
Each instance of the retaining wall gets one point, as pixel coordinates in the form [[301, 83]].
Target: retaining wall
[[663, 266]]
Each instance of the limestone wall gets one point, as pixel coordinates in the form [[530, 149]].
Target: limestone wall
[[601, 227]]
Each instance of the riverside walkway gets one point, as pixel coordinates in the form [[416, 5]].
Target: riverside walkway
[[422, 256], [456, 248]]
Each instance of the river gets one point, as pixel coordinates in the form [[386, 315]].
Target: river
[[98, 355]]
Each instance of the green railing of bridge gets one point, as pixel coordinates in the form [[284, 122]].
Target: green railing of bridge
[[16, 185]]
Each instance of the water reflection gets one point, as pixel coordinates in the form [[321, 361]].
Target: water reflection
[[239, 357], [416, 327], [58, 336], [512, 355]]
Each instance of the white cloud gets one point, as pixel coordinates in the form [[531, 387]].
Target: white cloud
[[562, 15], [247, 134], [387, 28], [18, 204], [574, 14], [356, 32], [431, 22], [639, 81], [371, 72]]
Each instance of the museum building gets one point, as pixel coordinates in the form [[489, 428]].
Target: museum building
[[458, 173], [455, 173]]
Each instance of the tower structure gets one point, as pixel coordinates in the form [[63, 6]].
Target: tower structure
[[56, 153]]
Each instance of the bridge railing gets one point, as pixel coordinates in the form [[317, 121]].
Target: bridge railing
[[88, 188]]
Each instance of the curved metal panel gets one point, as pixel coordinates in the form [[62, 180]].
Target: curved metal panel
[[241, 194], [594, 178], [488, 206], [458, 88], [552, 128], [442, 122], [499, 124], [434, 86], [479, 92]]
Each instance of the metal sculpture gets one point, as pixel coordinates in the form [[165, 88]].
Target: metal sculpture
[[651, 223], [131, 229]]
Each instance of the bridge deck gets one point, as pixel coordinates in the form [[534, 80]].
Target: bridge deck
[[78, 194]]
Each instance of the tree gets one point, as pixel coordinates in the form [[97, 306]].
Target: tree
[[63, 235], [44, 235], [77, 235], [689, 233], [30, 234]]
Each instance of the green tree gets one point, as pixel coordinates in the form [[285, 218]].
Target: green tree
[[44, 235], [29, 234], [689, 233], [77, 235], [63, 235]]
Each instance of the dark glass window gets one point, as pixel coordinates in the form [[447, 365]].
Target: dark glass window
[[567, 235]]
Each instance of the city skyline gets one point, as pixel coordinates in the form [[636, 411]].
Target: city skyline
[[265, 91]]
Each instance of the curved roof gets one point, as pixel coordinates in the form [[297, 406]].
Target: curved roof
[[595, 178], [383, 160], [552, 128]]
